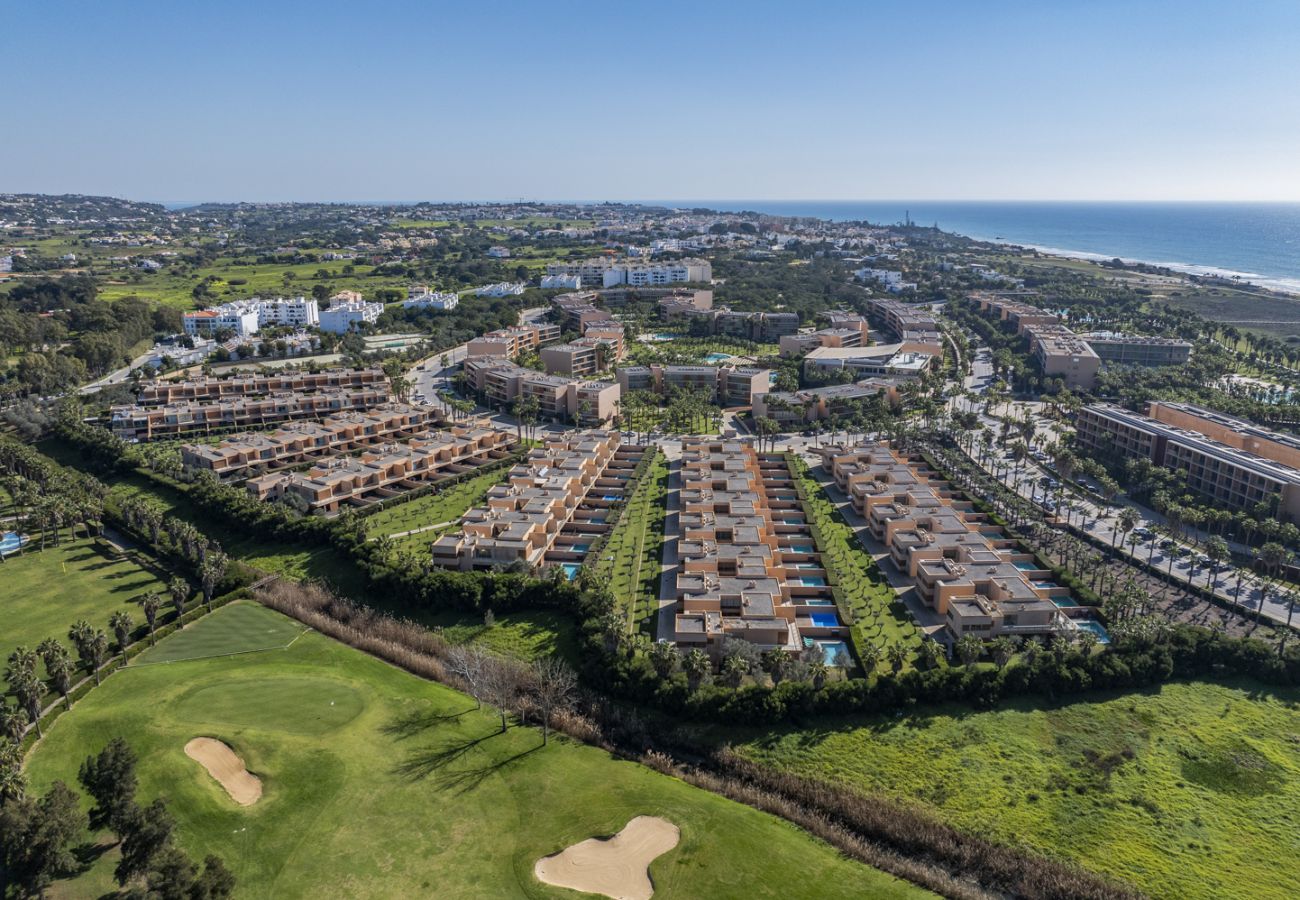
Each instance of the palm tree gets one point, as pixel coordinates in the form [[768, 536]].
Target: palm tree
[[1002, 649], [1127, 521], [697, 666], [969, 648], [734, 669], [180, 592], [121, 624], [150, 606], [870, 657], [96, 650], [1216, 549], [897, 656], [929, 653], [211, 573], [13, 722]]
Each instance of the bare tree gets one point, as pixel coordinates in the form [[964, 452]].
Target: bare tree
[[469, 663], [553, 684], [501, 678]]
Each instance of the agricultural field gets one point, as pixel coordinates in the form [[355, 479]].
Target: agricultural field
[[431, 515], [377, 784], [1192, 790], [42, 592]]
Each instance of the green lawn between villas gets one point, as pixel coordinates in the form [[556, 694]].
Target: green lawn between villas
[[42, 592], [442, 508], [378, 784], [1190, 791]]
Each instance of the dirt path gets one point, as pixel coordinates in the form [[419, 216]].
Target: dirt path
[[618, 867], [224, 764]]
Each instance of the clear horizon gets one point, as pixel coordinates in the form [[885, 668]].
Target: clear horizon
[[1009, 101]]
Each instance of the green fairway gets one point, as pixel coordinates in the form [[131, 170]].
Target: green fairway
[[241, 628], [378, 784], [1191, 791], [42, 592]]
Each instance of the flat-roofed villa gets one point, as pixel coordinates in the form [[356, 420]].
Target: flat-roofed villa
[[549, 508], [155, 393], [386, 470], [748, 567], [300, 442], [963, 567]]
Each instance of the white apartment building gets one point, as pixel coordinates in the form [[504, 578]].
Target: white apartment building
[[430, 300], [246, 317], [500, 289], [499, 252], [297, 312], [342, 317], [889, 279], [561, 282], [242, 322], [649, 274]]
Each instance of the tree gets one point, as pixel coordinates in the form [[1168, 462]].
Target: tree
[[96, 650], [171, 875], [36, 837], [211, 572], [1216, 550], [553, 685], [215, 882], [897, 656], [13, 722], [121, 624], [13, 784], [929, 654], [180, 593], [468, 662], [1126, 521], [58, 664], [870, 657], [109, 778], [734, 669], [149, 605], [146, 832], [698, 667], [776, 663], [664, 658], [1002, 650], [501, 678], [969, 648]]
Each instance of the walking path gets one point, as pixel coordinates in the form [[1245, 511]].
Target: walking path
[[667, 628]]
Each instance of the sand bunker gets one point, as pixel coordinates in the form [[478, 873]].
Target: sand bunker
[[223, 764], [618, 867]]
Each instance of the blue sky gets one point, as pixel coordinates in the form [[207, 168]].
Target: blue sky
[[572, 100]]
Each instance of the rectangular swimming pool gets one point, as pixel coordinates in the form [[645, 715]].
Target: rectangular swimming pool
[[837, 653], [825, 620], [1103, 636], [571, 570], [812, 581], [1028, 566]]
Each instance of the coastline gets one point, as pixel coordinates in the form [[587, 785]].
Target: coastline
[[1288, 287]]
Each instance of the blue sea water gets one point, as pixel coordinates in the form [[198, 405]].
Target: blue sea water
[[1257, 242]]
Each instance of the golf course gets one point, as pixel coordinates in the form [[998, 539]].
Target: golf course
[[369, 782]]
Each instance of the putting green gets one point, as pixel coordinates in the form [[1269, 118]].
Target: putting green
[[403, 789]]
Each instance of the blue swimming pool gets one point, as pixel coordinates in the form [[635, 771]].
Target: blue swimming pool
[[1028, 566], [801, 548], [11, 541], [716, 357], [793, 521], [837, 653], [571, 570], [611, 497], [580, 548], [816, 601], [1096, 628], [824, 620], [665, 336], [1065, 602], [812, 581], [807, 565], [1044, 585]]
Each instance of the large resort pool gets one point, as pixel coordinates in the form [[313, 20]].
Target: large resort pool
[[10, 542]]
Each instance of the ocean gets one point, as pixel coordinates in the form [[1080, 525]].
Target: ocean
[[1256, 242]]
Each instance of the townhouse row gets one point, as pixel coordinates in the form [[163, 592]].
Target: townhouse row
[[386, 470], [211, 388], [748, 568], [301, 442], [963, 567], [548, 510], [145, 423]]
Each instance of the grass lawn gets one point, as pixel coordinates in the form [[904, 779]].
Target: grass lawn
[[442, 508], [527, 634], [378, 784], [241, 628], [631, 557], [1191, 791], [42, 592]]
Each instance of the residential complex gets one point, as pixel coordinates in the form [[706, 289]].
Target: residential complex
[[246, 317], [549, 509], [500, 289], [907, 322], [500, 382], [349, 314], [1060, 352], [848, 333], [1137, 350], [727, 385], [889, 279], [1233, 462], [209, 388], [965, 569], [609, 272], [510, 342], [420, 297], [565, 282], [600, 346], [301, 442], [748, 568], [385, 470], [143, 423]]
